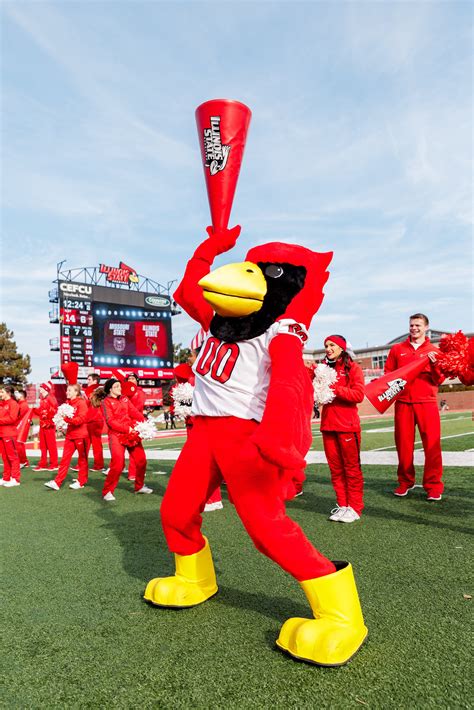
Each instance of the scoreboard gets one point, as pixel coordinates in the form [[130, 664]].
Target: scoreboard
[[107, 328]]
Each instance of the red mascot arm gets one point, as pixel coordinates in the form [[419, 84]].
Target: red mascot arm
[[188, 294], [284, 435], [355, 390]]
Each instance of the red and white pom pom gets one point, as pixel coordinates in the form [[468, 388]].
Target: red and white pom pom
[[183, 399], [453, 358], [146, 430], [64, 410], [324, 377]]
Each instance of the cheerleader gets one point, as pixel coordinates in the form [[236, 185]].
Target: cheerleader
[[120, 417], [48, 407], [20, 396], [138, 400], [76, 440], [9, 411], [340, 427]]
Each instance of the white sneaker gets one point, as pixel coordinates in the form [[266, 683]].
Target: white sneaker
[[109, 496], [22, 465], [105, 471], [349, 516], [11, 483], [213, 506], [337, 512], [160, 473], [2, 482], [438, 497], [75, 485], [53, 485], [145, 489]]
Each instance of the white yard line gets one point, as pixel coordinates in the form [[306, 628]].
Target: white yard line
[[418, 442]]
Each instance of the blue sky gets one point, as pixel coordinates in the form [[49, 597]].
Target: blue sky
[[360, 142]]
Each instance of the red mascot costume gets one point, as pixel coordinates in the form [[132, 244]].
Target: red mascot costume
[[252, 409]]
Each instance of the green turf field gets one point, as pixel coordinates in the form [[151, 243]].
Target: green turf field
[[76, 632]]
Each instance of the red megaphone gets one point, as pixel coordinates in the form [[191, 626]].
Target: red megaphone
[[70, 370], [23, 427], [382, 392], [222, 129]]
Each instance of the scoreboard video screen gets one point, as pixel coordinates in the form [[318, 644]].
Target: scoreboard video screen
[[107, 328]]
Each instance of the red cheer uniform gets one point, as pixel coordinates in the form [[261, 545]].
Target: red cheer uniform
[[138, 400], [76, 440], [243, 389], [95, 427], [417, 406], [24, 409], [9, 411], [120, 414], [46, 410], [340, 427]]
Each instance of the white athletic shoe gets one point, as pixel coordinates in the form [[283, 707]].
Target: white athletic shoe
[[337, 512], [53, 485], [105, 471], [213, 506], [75, 485], [11, 483], [23, 465], [2, 482], [145, 489], [160, 473], [349, 516], [438, 497], [109, 496]]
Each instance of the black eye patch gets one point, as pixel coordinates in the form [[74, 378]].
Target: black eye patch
[[273, 271]]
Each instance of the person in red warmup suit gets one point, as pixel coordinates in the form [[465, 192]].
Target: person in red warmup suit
[[249, 372], [95, 423], [340, 427], [9, 416], [120, 417], [417, 406], [76, 440], [137, 398], [20, 396], [48, 407]]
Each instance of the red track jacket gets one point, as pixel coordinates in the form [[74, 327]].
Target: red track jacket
[[76, 425], [341, 414], [120, 414], [94, 414], [9, 413], [138, 399], [424, 387], [46, 411]]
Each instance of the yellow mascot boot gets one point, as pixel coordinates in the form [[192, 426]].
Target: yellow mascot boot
[[337, 631], [193, 583]]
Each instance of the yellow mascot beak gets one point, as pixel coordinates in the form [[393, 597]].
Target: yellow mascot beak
[[235, 290]]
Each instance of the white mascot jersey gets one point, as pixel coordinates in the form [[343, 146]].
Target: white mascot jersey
[[232, 379]]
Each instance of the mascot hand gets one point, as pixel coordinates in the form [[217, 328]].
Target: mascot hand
[[278, 454], [224, 239]]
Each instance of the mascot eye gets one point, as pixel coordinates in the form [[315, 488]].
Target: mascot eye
[[274, 271]]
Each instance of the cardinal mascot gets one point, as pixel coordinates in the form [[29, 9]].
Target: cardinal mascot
[[252, 408]]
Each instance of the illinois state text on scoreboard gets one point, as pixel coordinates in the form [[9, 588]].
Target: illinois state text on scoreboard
[[106, 328]]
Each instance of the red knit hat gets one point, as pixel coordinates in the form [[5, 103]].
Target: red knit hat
[[48, 386], [337, 340]]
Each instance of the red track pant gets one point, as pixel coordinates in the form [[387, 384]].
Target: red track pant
[[48, 445], [117, 451], [425, 416], [216, 450], [22, 452], [342, 451], [95, 439], [11, 461], [70, 446]]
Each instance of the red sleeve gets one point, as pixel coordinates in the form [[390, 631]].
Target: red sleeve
[[355, 390], [11, 415], [52, 403], [289, 396], [114, 422], [391, 363], [134, 413], [189, 294]]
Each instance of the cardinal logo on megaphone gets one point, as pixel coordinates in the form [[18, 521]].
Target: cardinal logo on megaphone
[[394, 388], [216, 154]]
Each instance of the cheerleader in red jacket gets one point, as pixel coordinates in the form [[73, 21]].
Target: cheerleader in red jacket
[[138, 400], [340, 427], [120, 417], [95, 424], [48, 407], [76, 440], [20, 396], [9, 412]]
